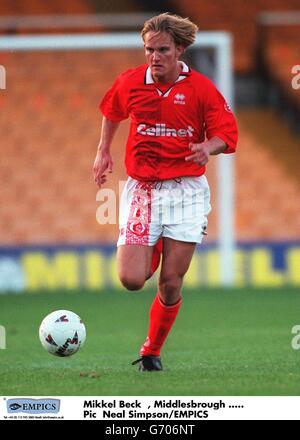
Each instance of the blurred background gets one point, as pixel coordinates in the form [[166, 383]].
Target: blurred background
[[50, 127]]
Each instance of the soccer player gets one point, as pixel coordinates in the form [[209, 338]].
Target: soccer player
[[178, 120]]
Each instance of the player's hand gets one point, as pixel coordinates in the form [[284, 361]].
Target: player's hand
[[200, 153], [103, 163]]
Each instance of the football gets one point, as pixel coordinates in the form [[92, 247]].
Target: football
[[62, 333]]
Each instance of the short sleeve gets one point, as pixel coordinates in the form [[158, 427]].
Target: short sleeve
[[219, 118], [114, 103]]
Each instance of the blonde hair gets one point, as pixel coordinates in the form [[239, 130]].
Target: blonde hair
[[182, 30]]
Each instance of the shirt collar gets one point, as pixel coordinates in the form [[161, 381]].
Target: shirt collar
[[183, 74]]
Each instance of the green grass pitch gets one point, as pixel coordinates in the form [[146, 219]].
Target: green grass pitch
[[224, 342]]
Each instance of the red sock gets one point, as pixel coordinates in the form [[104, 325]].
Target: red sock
[[157, 250], [162, 318]]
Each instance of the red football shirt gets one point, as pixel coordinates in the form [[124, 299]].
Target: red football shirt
[[165, 119]]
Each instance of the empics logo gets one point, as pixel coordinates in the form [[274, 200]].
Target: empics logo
[[2, 78], [179, 98], [33, 406]]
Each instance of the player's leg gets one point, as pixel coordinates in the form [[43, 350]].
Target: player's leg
[[179, 239], [138, 253], [134, 265], [177, 256]]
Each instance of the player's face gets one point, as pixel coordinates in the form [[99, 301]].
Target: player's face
[[162, 56]]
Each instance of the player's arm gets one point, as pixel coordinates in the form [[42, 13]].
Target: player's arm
[[103, 161], [203, 150], [220, 126]]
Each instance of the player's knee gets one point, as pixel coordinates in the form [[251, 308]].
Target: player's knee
[[170, 284], [131, 282]]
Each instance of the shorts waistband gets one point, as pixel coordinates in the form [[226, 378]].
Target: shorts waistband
[[157, 184]]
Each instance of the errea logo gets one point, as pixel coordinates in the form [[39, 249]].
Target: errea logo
[[179, 98]]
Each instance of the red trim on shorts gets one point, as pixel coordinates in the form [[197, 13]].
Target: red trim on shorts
[[138, 224]]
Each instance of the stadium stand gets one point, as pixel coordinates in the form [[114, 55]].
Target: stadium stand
[[50, 131], [72, 7], [260, 47], [240, 18], [50, 151], [30, 7], [278, 53], [54, 143], [268, 182]]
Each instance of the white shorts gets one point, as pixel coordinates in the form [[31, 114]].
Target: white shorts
[[175, 208]]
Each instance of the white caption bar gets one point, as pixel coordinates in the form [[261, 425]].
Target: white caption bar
[[154, 409]]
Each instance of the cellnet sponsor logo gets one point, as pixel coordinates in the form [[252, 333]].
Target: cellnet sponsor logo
[[163, 130], [33, 406]]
